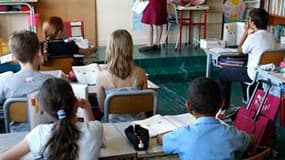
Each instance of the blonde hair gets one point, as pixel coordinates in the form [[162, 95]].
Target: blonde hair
[[119, 53], [52, 27]]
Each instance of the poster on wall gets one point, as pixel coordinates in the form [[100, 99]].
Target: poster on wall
[[234, 10]]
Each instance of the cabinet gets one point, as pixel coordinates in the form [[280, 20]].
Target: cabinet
[[14, 19], [274, 18]]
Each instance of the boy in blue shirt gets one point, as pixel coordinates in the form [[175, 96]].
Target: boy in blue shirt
[[207, 138]]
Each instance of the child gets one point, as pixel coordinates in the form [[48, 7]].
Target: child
[[65, 138], [254, 42], [207, 138], [155, 15], [120, 73], [24, 46], [53, 29]]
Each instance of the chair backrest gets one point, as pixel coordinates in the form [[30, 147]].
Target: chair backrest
[[262, 155], [15, 109], [272, 56], [59, 63], [122, 102]]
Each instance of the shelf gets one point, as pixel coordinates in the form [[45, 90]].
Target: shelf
[[275, 19], [14, 12], [18, 1]]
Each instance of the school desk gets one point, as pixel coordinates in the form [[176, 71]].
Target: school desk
[[115, 144]]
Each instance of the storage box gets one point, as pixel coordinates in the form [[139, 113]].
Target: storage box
[[212, 43]]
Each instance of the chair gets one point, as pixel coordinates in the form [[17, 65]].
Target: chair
[[262, 154], [130, 102], [15, 109], [58, 63], [269, 56]]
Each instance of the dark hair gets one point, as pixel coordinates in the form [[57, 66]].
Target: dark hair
[[259, 17], [56, 94], [24, 45], [204, 94]]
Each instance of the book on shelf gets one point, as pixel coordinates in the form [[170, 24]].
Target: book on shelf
[[87, 74], [158, 124], [275, 7]]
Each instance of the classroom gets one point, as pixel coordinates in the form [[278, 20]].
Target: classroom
[[142, 79]]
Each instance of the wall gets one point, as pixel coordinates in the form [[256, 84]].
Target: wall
[[111, 17]]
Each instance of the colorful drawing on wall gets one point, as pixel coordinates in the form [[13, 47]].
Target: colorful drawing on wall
[[234, 10]]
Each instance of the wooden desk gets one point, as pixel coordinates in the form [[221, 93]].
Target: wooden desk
[[116, 145], [154, 150]]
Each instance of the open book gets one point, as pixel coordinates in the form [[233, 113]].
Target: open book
[[6, 58], [86, 74], [158, 124]]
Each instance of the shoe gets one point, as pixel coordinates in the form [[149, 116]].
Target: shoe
[[156, 47], [146, 49]]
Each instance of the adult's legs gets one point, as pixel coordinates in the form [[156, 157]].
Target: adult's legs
[[158, 34], [149, 34], [229, 75]]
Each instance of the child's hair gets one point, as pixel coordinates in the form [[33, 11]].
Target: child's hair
[[119, 53], [24, 45], [205, 96], [259, 17], [58, 100], [52, 27]]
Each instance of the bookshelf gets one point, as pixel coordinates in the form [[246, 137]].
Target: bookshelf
[[276, 18]]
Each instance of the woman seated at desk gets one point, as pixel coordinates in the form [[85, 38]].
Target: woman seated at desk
[[120, 73]]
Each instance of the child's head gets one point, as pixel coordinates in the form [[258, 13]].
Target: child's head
[[58, 100], [259, 17], [204, 96], [24, 46], [119, 53], [53, 28]]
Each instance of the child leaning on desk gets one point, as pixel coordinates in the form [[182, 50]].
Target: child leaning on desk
[[207, 138], [53, 29], [66, 138]]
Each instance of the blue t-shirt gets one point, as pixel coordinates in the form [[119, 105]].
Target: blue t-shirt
[[206, 139]]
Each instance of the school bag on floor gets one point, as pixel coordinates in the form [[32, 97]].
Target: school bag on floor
[[258, 117]]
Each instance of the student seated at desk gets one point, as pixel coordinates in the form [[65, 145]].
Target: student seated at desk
[[66, 138], [24, 46], [255, 40], [120, 73], [207, 138], [53, 30]]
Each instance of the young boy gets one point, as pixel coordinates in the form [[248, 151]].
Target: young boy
[[24, 46], [254, 42], [207, 138]]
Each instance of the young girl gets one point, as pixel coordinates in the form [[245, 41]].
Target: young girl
[[121, 73], [53, 29], [154, 16], [65, 138]]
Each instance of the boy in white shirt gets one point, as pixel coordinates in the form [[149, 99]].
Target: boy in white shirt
[[255, 40]]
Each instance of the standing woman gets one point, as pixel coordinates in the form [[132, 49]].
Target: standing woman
[[154, 16]]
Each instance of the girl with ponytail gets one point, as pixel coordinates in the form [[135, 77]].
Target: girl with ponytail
[[65, 138]]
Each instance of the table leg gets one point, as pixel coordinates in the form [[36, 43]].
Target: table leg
[[209, 66]]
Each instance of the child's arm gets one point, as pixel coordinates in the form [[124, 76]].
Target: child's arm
[[88, 114], [87, 51], [16, 152]]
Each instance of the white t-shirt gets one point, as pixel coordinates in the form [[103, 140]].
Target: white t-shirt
[[89, 144], [254, 45]]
